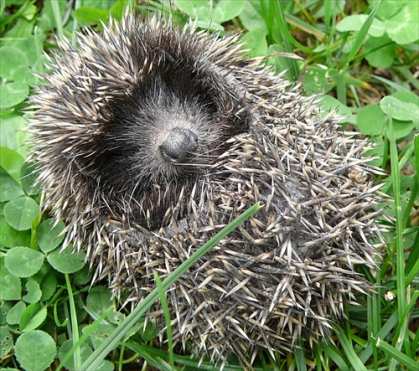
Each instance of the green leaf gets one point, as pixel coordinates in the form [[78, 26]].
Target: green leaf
[[118, 8], [319, 79], [371, 120], [21, 212], [225, 10], [275, 59], [48, 286], [12, 59], [401, 128], [255, 42], [328, 103], [10, 237], [9, 188], [82, 277], [380, 52], [99, 332], [6, 342], [102, 4], [398, 109], [68, 363], [12, 93], [208, 24], [33, 292], [88, 16], [28, 179], [10, 286], [30, 11], [99, 300], [403, 27], [66, 261], [407, 97], [23, 261], [388, 9], [15, 313], [355, 23], [200, 9], [35, 350], [4, 309], [11, 161], [50, 236], [202, 12], [46, 18], [12, 133], [251, 18], [32, 317]]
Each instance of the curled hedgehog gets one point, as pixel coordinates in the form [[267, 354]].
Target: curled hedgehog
[[150, 138]]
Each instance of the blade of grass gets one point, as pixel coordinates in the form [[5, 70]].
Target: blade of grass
[[412, 266], [336, 358], [393, 85], [278, 30], [300, 359], [402, 329], [306, 27], [400, 262], [182, 360], [365, 355], [341, 87], [328, 7], [85, 336], [166, 315], [360, 36], [372, 325], [412, 273], [414, 191], [404, 159], [94, 360], [349, 350], [74, 324], [391, 351], [320, 365], [405, 72], [57, 18], [152, 360], [415, 344]]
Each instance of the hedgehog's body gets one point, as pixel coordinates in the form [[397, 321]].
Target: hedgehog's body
[[149, 139]]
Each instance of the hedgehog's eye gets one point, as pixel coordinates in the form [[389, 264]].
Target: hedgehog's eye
[[179, 143]]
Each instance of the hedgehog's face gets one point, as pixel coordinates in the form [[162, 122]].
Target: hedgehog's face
[[165, 136], [133, 118], [160, 133], [162, 139]]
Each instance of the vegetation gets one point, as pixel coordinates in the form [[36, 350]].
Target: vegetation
[[361, 56]]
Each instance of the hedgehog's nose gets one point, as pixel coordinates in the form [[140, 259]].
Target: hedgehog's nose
[[179, 144]]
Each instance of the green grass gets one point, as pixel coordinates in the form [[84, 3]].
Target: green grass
[[360, 56]]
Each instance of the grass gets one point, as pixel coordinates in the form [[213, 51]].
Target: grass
[[361, 56]]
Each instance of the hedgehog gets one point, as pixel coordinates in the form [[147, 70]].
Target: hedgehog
[[149, 138]]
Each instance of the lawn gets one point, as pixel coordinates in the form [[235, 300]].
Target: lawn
[[359, 56]]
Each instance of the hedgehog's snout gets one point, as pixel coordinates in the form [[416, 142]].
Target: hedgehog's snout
[[179, 144]]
